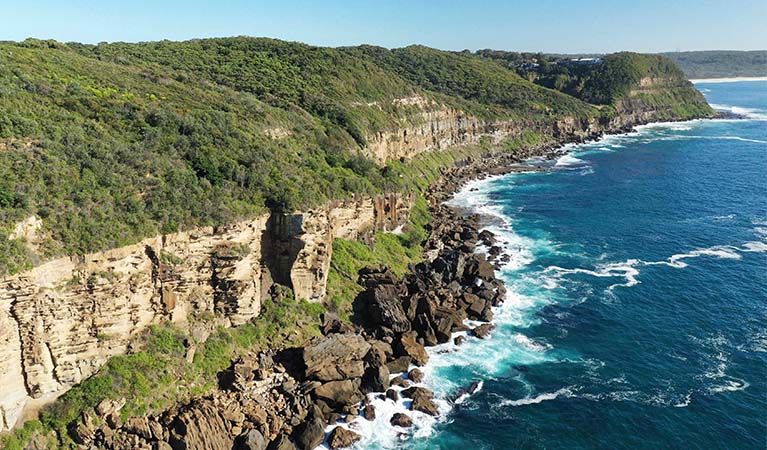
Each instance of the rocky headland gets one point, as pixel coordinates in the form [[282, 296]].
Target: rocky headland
[[302, 397]]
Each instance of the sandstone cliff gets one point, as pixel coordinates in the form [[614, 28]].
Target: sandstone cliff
[[61, 321]]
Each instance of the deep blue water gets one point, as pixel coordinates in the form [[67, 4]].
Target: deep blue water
[[637, 314]]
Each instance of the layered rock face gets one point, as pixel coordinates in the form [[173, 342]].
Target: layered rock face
[[61, 321], [435, 127], [656, 99]]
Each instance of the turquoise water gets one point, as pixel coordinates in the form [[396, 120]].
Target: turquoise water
[[637, 313]]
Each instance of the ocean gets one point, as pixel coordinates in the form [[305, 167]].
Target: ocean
[[637, 308]]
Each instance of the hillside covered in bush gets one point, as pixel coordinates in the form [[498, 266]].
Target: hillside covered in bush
[[111, 143]]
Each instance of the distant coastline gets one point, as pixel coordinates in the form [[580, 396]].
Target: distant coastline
[[727, 79]]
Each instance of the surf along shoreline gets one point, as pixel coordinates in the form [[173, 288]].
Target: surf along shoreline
[[450, 222], [363, 379]]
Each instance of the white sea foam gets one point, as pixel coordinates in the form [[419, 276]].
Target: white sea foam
[[565, 392], [626, 270], [569, 160], [750, 113], [684, 403], [629, 269], [719, 251], [463, 397], [380, 433], [731, 385], [755, 247]]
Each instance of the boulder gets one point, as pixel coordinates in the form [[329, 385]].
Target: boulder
[[109, 406], [376, 379], [407, 345], [335, 357], [476, 305], [381, 305], [416, 375], [422, 325], [391, 394], [399, 365], [425, 405], [200, 425], [418, 392], [478, 267], [251, 440], [138, 426], [342, 437], [310, 434], [369, 412], [401, 420], [401, 382], [339, 393], [281, 442], [483, 331], [459, 340]]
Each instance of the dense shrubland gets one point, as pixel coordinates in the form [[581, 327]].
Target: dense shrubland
[[115, 142]]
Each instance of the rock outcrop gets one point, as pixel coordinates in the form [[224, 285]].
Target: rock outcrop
[[62, 320]]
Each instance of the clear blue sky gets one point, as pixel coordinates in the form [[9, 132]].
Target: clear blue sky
[[538, 25]]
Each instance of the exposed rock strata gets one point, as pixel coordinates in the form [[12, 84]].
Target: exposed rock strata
[[61, 321], [286, 401]]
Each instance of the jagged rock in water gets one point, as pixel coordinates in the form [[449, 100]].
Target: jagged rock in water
[[425, 405], [401, 420], [416, 375], [369, 412], [418, 392], [423, 400], [483, 331], [401, 382], [399, 364], [376, 379], [342, 437]]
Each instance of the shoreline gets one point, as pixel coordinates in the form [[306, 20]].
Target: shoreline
[[454, 181], [313, 395], [727, 79]]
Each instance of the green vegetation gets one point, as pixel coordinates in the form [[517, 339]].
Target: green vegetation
[[19, 438], [160, 374], [481, 86], [602, 83], [721, 63], [397, 251], [111, 143]]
